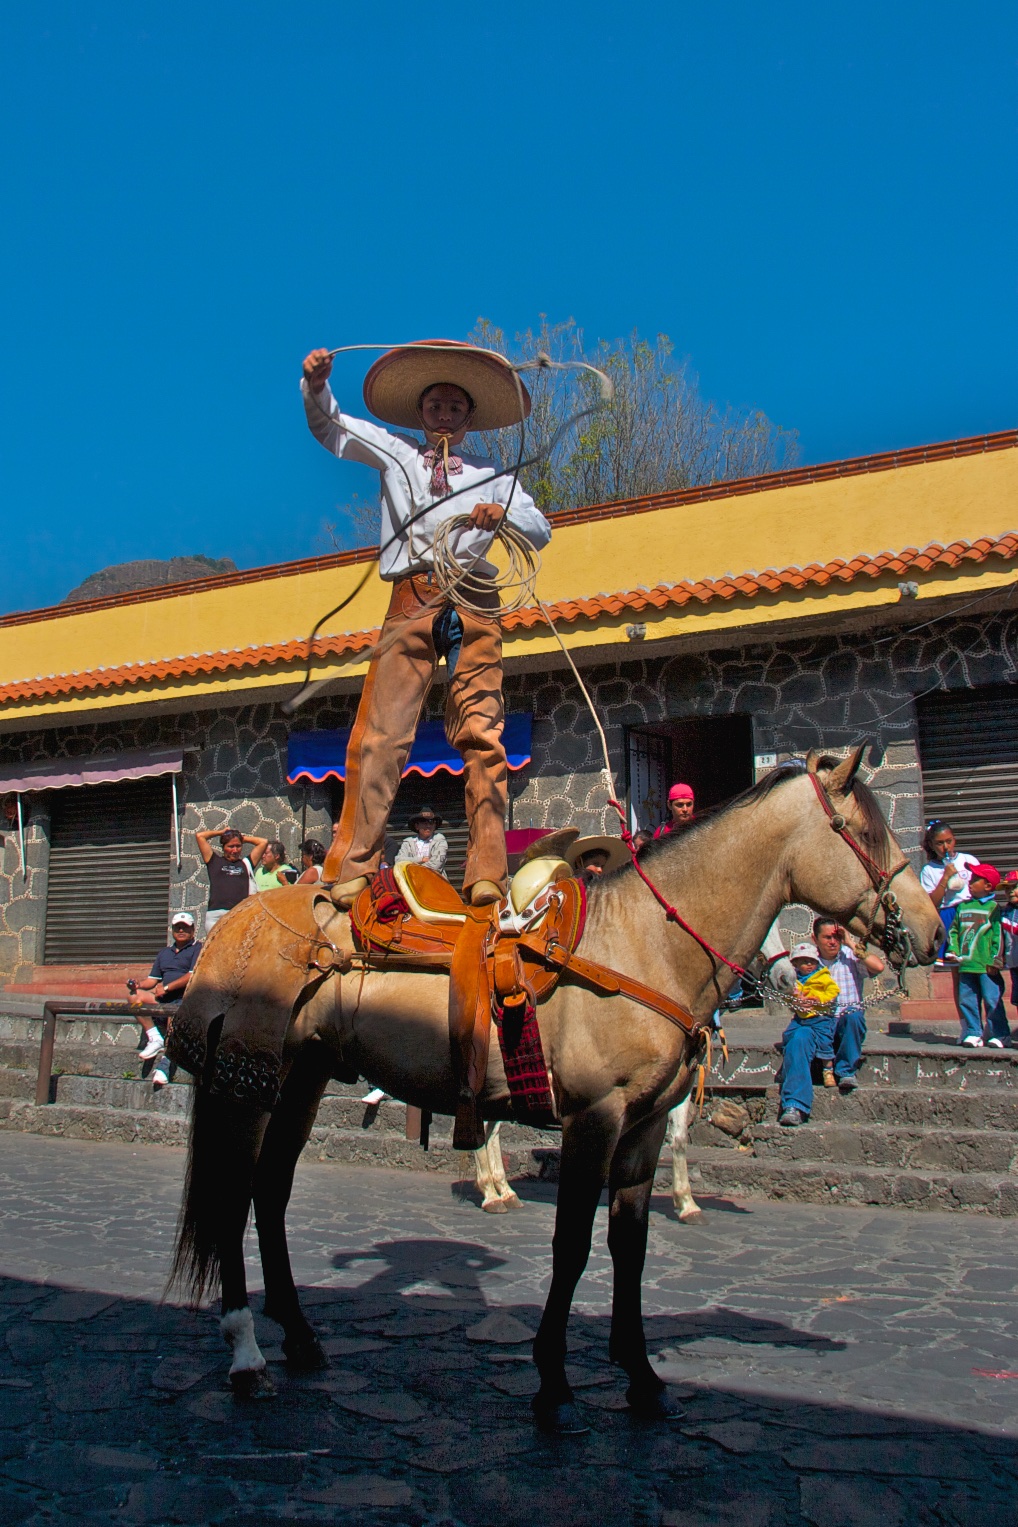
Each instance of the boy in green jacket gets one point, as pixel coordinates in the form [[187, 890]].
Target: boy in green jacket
[[976, 944]]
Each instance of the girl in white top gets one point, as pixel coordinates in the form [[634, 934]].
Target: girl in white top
[[945, 876]]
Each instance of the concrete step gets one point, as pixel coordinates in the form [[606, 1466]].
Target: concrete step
[[746, 1176], [882, 1145], [939, 1010], [931, 1108], [128, 1096], [85, 1122], [892, 1063]]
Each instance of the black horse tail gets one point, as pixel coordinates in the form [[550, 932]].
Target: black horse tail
[[222, 1153]]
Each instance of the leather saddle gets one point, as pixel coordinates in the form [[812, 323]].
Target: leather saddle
[[502, 960]]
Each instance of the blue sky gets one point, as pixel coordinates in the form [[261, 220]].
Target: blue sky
[[816, 203]]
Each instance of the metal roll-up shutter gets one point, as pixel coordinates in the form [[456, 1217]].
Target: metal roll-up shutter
[[443, 793], [968, 752], [109, 872]]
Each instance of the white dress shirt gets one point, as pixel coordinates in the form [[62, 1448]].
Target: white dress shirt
[[406, 489]]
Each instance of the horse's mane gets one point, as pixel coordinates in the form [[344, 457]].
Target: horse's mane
[[872, 833]]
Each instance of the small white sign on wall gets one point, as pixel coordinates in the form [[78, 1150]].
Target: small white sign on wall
[[766, 760]]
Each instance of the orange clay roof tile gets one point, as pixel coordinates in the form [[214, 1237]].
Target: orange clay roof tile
[[664, 596]]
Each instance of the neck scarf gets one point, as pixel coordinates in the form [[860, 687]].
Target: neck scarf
[[442, 466]]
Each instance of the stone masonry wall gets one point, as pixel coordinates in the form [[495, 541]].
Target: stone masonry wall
[[824, 692], [234, 774]]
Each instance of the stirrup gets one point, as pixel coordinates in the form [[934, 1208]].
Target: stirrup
[[345, 894], [484, 893]]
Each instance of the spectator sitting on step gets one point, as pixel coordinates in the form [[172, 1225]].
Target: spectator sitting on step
[[425, 845], [231, 875], [681, 802], [976, 941], [849, 963], [809, 1036], [312, 857], [945, 875], [273, 871], [1009, 928], [167, 980]]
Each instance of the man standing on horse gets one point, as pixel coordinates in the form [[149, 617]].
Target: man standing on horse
[[444, 390]]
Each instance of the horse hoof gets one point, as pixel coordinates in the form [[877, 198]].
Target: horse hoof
[[512, 1201], [305, 1356], [653, 1407], [559, 1420], [687, 1216], [496, 1206], [252, 1384]]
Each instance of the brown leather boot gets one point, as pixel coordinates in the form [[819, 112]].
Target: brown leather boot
[[483, 893], [345, 894]]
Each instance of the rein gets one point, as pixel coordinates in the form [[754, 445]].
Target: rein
[[670, 912], [895, 937]]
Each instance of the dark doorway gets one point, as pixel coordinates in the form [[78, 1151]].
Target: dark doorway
[[714, 754]]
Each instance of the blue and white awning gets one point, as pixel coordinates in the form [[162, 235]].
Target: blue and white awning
[[318, 756]]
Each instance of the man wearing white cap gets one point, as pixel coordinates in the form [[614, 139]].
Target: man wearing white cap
[[443, 389], [168, 978]]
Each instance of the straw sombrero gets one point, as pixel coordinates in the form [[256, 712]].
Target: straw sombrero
[[393, 386], [618, 853]]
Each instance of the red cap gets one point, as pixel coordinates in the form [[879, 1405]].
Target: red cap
[[985, 872], [681, 793]]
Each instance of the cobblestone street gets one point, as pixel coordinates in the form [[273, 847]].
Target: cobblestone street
[[839, 1367]]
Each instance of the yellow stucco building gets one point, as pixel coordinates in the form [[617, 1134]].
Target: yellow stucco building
[[718, 628]]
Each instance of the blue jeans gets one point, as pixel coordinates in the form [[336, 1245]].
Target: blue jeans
[[447, 632], [805, 1040], [976, 991], [947, 917], [849, 1037], [809, 1039]]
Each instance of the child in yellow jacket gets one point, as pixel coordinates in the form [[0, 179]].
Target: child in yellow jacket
[[809, 1036]]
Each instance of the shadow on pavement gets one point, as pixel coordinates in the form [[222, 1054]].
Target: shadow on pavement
[[116, 1410]]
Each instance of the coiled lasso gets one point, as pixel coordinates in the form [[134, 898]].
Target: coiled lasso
[[515, 583]]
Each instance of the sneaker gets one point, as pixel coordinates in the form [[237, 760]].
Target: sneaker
[[154, 1045], [997, 1044], [159, 1079], [829, 1077], [847, 1084], [792, 1118], [974, 1041]]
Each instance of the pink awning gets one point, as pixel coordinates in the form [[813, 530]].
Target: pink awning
[[60, 773]]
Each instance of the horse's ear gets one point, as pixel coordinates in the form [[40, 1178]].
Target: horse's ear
[[840, 779], [812, 760]]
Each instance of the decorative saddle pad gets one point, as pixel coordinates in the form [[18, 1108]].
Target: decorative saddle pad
[[516, 974]]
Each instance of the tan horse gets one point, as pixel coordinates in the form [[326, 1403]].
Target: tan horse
[[617, 1067]]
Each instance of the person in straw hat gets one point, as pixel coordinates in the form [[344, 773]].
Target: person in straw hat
[[443, 389], [592, 858]]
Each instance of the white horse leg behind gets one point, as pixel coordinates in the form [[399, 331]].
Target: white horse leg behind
[[782, 976], [686, 1206], [489, 1168]]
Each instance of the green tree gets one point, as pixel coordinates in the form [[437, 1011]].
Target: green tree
[[658, 435]]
